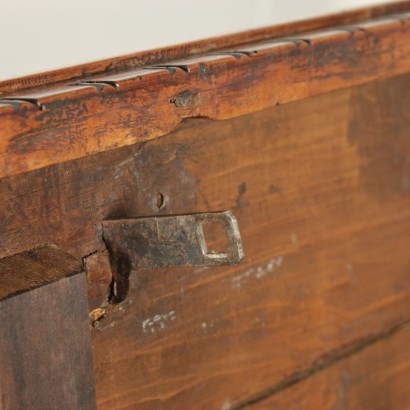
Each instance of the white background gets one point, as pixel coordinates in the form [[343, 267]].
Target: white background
[[41, 35]]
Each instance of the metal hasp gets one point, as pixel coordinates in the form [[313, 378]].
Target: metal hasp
[[176, 240]]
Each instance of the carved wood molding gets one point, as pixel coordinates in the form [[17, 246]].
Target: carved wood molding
[[58, 123]]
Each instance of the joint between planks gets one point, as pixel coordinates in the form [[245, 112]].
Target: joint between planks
[[321, 364]]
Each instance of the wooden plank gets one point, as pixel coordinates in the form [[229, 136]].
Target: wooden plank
[[35, 268], [45, 344], [54, 125], [377, 378], [320, 189]]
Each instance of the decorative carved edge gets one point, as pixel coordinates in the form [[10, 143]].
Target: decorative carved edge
[[94, 114]]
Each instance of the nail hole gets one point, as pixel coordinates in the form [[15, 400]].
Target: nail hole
[[160, 201]]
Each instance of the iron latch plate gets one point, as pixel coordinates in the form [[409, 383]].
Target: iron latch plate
[[174, 240]]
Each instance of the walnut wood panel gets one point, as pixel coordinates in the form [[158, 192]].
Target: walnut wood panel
[[45, 344], [320, 188], [377, 378], [45, 126]]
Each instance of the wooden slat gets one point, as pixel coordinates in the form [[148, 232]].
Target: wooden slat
[[33, 269], [45, 344], [53, 127]]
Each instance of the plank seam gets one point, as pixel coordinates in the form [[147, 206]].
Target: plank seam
[[323, 363]]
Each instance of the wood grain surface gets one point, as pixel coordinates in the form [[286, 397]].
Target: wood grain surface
[[45, 126], [377, 378], [35, 268], [45, 345], [320, 188]]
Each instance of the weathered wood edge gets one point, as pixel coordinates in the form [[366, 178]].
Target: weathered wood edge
[[35, 268], [162, 55], [57, 124]]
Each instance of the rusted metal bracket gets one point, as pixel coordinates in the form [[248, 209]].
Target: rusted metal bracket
[[165, 241], [177, 240]]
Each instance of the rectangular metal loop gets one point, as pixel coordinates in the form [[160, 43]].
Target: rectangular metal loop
[[177, 240]]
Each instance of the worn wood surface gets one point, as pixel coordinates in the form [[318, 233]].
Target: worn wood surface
[[170, 53], [45, 345], [33, 269], [46, 126], [320, 188], [377, 378]]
